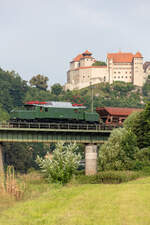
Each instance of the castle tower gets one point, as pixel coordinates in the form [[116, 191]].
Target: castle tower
[[86, 59], [138, 72]]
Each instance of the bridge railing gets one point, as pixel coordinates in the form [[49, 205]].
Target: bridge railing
[[67, 126]]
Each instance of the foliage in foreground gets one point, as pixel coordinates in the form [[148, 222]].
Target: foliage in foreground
[[108, 177], [119, 152], [62, 166]]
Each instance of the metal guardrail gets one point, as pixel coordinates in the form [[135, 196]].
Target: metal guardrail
[[67, 126]]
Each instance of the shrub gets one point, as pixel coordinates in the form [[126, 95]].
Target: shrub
[[62, 166], [119, 152], [143, 160], [109, 177]]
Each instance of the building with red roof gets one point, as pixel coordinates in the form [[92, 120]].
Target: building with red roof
[[115, 115], [121, 66]]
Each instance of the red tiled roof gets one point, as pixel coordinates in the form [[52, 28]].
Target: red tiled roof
[[122, 57], [85, 54], [77, 58], [117, 111], [138, 55]]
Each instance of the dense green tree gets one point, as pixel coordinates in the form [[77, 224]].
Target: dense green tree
[[56, 89], [119, 152], [146, 87], [3, 114], [130, 122], [12, 90], [22, 155], [39, 81]]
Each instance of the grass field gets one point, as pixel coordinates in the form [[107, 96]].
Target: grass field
[[92, 204]]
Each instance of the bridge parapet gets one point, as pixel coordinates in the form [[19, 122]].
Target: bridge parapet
[[49, 134]]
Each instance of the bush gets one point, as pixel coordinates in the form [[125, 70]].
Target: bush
[[119, 152], [143, 160], [62, 166], [108, 177]]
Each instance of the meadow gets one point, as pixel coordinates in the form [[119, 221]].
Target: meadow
[[75, 204]]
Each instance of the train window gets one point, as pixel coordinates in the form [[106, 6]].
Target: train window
[[46, 109], [41, 109], [75, 110]]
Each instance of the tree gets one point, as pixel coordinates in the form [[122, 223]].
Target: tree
[[99, 63], [3, 114], [56, 89], [22, 155], [12, 90], [39, 81], [146, 87], [119, 152], [63, 164], [130, 122]]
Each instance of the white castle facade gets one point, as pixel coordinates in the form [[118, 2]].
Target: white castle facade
[[127, 67]]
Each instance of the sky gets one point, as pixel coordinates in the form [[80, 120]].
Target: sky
[[43, 36]]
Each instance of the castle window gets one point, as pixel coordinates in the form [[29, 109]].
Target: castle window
[[122, 77], [115, 77], [104, 78], [118, 77], [126, 77]]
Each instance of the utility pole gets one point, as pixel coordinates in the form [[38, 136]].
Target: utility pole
[[91, 96]]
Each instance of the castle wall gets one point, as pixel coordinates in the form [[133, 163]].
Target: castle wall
[[121, 72]]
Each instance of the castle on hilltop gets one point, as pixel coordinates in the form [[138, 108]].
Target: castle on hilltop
[[127, 67]]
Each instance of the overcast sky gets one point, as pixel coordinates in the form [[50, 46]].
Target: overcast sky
[[42, 36]]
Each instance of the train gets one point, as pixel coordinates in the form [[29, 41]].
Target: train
[[53, 112]]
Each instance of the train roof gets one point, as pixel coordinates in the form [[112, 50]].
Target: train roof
[[55, 104]]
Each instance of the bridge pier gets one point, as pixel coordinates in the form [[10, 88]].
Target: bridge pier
[[90, 159], [1, 159]]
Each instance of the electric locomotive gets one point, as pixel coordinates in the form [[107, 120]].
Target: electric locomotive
[[52, 111]]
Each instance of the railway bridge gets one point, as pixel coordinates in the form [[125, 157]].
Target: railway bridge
[[88, 134]]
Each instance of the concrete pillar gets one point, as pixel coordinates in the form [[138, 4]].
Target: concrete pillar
[[90, 159], [1, 160]]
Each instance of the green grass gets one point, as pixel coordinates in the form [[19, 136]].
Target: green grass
[[90, 204]]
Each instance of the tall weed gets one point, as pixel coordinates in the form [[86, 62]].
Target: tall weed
[[10, 185]]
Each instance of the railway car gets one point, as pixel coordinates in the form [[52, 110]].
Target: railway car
[[52, 111]]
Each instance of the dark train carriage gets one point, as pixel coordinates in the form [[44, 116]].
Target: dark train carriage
[[114, 115]]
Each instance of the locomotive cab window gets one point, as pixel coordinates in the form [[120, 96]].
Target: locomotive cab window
[[46, 109], [41, 109]]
